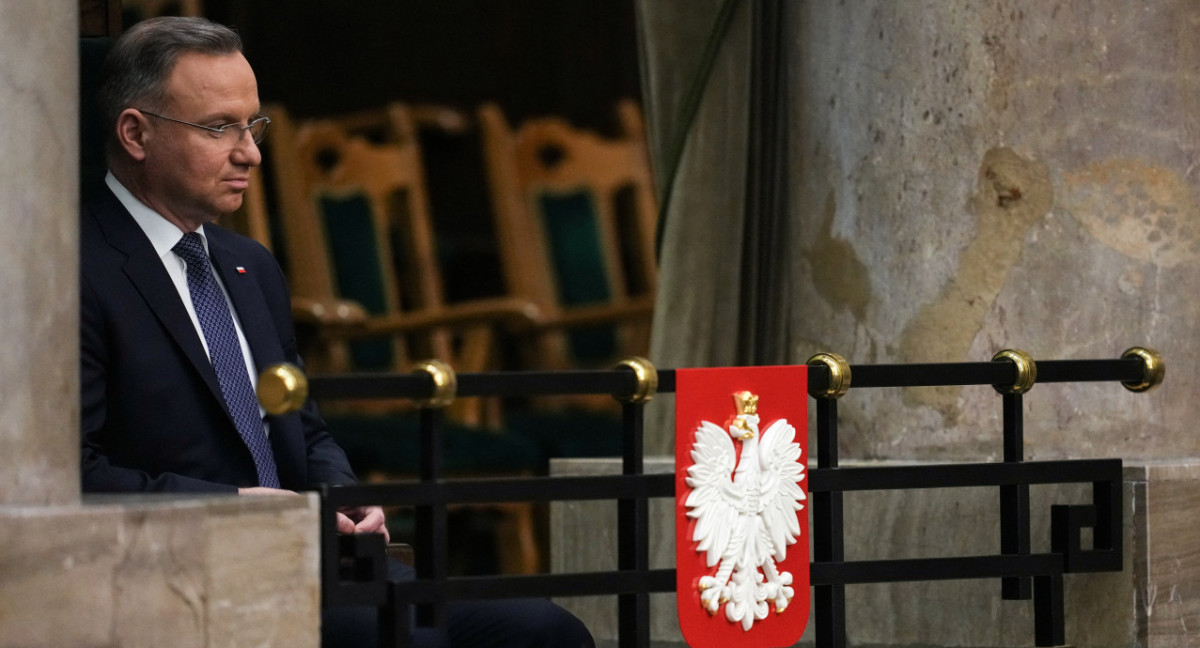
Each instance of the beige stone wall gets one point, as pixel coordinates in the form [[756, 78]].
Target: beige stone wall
[[973, 176]]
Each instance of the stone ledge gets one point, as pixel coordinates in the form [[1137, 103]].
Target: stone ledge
[[161, 570]]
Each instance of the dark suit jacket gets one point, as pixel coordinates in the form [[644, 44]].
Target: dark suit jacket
[[153, 418]]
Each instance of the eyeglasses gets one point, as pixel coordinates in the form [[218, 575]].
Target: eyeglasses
[[231, 133]]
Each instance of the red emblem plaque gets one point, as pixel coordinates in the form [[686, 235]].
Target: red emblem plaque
[[741, 539]]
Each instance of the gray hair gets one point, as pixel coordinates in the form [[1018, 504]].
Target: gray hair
[[141, 61]]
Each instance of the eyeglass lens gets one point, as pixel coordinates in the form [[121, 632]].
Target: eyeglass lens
[[257, 128]]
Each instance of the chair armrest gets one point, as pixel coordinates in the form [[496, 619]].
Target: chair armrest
[[635, 309], [510, 312], [328, 312]]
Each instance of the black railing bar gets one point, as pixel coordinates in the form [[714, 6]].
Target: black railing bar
[[1122, 369], [369, 593], [514, 489], [525, 383], [923, 375], [963, 475], [664, 580], [492, 383], [984, 373], [633, 531], [542, 489], [370, 385], [542, 585], [925, 569], [622, 381]]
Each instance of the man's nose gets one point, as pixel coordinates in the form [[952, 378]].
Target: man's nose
[[246, 151]]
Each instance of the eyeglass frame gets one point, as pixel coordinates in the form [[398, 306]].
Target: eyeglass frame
[[221, 130]]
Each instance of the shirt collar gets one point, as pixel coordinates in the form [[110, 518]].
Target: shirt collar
[[162, 233]]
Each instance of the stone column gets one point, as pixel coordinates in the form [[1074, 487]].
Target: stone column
[[39, 216]]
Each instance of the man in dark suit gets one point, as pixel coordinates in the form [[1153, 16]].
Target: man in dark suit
[[177, 315]]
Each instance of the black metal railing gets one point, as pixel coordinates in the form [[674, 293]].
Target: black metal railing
[[353, 571]]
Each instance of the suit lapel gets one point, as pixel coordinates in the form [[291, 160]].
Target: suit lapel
[[146, 272]]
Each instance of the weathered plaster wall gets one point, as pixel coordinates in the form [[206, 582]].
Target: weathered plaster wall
[[970, 177]]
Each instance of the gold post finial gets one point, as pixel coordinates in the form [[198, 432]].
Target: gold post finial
[[647, 379], [445, 383], [1026, 371], [282, 388], [1154, 369]]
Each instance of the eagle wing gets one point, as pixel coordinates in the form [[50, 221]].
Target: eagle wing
[[712, 502], [780, 473]]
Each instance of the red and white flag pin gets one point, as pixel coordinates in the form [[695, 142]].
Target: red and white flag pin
[[741, 545], [241, 270]]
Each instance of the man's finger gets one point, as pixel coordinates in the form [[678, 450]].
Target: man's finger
[[373, 522]]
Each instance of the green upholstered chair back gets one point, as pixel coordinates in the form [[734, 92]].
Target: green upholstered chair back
[[574, 240], [358, 229], [558, 195], [358, 269]]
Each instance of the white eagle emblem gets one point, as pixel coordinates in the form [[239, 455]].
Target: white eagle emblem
[[746, 522]]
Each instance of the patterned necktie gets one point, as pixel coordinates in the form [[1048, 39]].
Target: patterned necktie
[[225, 352]]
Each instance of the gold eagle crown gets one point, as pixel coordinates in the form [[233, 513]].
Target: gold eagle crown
[[747, 403]]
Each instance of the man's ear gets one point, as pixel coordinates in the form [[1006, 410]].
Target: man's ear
[[131, 133]]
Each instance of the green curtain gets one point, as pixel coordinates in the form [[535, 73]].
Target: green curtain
[[700, 53]]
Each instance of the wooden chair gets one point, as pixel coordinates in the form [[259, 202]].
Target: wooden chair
[[575, 220], [575, 217], [361, 251], [363, 267]]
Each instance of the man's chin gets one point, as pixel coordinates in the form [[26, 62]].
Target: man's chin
[[231, 203]]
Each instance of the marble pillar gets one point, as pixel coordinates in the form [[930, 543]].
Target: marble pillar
[[39, 215]]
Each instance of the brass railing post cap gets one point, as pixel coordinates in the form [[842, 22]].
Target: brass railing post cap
[[445, 382], [1026, 371], [282, 388], [1154, 372], [647, 379], [839, 375]]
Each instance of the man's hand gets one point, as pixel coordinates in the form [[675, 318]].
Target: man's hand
[[362, 519], [263, 490], [352, 519]]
